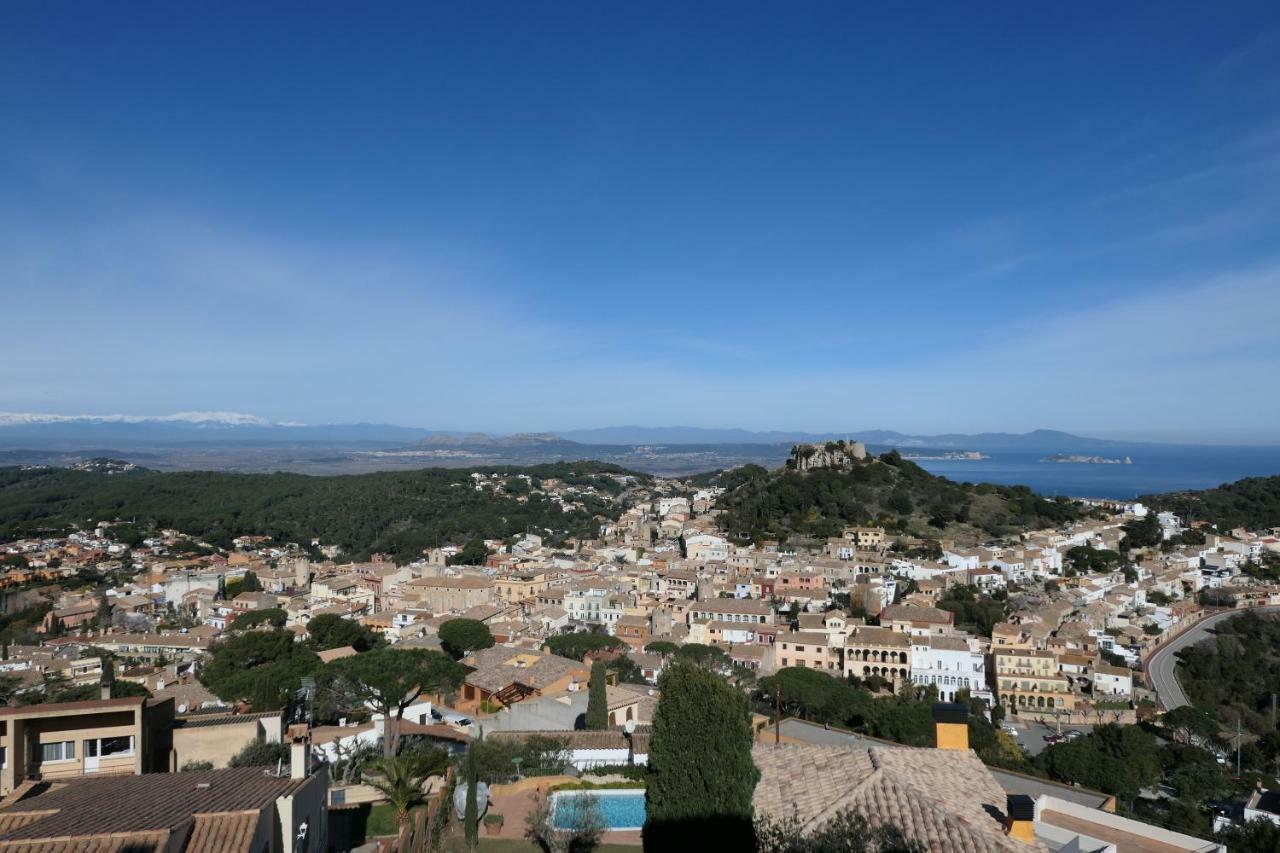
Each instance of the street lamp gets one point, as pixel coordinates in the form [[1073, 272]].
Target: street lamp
[[629, 729], [516, 761]]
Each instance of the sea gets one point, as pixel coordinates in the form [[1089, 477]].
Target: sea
[[1155, 469]]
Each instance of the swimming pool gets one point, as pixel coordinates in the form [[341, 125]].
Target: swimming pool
[[621, 808]]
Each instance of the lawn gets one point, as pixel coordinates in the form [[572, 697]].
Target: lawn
[[382, 821]]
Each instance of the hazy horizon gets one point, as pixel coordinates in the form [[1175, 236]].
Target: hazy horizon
[[231, 418]]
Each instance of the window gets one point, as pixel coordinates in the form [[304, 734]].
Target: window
[[64, 751], [110, 747]]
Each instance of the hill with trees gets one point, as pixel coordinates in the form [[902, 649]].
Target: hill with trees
[[1253, 502], [398, 513], [886, 490]]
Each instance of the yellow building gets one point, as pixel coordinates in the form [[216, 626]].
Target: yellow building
[[1028, 680], [878, 651], [521, 587]]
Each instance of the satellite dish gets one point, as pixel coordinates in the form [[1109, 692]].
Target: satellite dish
[[182, 709], [630, 726]]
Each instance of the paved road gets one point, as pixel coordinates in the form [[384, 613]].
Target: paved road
[[1161, 665]]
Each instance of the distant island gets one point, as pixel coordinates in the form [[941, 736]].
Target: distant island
[[949, 456], [1078, 459]]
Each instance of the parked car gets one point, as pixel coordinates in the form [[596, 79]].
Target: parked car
[[458, 721], [1052, 737]]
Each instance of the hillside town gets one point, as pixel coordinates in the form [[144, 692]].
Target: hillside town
[[1051, 626]]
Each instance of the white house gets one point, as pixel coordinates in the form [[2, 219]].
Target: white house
[[950, 664], [1112, 682]]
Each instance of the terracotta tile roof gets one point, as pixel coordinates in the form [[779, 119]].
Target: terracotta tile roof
[[581, 739], [945, 799], [496, 667], [151, 803], [220, 717], [223, 833], [120, 842]]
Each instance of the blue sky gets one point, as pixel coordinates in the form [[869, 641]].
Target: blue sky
[[926, 217]]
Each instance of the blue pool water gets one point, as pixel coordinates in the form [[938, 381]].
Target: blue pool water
[[621, 809]]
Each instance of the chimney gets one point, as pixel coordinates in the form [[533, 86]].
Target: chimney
[[299, 751], [1021, 820], [951, 726]]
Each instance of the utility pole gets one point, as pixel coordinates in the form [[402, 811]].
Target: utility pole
[[777, 714], [1238, 747]]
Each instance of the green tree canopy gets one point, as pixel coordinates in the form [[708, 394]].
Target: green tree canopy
[[271, 616], [597, 698], [388, 680], [461, 637], [577, 646], [701, 776], [703, 655], [472, 554], [261, 667], [261, 753], [329, 631]]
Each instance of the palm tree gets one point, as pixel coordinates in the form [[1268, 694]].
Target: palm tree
[[400, 780]]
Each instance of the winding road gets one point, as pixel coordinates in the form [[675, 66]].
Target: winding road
[[1161, 665]]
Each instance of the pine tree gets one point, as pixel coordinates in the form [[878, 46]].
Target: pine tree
[[701, 776], [471, 814], [597, 698]]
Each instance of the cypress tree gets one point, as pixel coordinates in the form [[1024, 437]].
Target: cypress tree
[[597, 699], [471, 813], [701, 776]]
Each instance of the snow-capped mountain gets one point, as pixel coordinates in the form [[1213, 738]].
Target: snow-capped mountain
[[35, 430], [220, 418]]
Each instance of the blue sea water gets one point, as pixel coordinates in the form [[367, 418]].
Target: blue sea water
[[622, 809], [1155, 468]]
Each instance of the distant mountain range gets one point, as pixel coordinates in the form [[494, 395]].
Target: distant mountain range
[[217, 428], [67, 431], [1042, 440]]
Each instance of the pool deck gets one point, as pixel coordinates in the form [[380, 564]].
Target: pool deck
[[515, 808]]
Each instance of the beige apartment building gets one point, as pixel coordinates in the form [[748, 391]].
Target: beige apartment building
[[72, 739], [884, 652], [1029, 680], [806, 649], [523, 586]]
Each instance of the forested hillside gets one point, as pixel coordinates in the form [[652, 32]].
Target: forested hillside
[[886, 490], [1253, 503], [397, 513]]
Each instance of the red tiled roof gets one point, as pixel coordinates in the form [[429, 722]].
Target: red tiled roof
[[229, 832]]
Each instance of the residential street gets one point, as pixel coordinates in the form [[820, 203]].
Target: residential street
[[1162, 664]]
